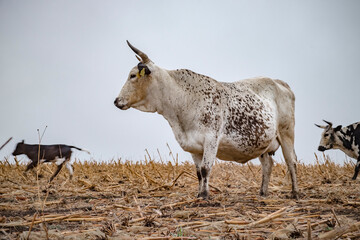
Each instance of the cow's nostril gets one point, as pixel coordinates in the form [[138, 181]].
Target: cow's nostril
[[321, 148], [120, 106], [116, 100]]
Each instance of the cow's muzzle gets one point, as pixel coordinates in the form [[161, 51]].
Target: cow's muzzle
[[120, 104], [321, 148]]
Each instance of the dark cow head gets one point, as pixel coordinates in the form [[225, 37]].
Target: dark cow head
[[328, 137], [19, 148]]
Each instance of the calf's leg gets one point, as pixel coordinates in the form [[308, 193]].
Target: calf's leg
[[59, 167], [70, 169], [31, 165]]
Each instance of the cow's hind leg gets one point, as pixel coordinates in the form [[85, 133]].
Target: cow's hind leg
[[59, 167], [287, 145], [357, 168], [197, 158], [266, 164], [70, 169]]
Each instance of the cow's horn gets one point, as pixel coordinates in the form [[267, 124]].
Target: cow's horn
[[320, 126], [145, 59], [329, 123]]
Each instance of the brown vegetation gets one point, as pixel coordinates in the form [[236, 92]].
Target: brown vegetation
[[156, 200]]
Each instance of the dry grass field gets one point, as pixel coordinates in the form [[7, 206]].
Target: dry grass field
[[157, 200]]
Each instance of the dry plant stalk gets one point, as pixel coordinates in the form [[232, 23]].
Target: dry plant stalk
[[338, 232], [122, 198]]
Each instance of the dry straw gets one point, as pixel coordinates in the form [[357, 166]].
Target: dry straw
[[156, 200]]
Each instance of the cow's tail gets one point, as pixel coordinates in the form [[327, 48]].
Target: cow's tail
[[80, 149]]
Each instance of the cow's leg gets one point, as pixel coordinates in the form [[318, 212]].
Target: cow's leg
[[287, 146], [209, 156], [266, 164], [31, 165], [60, 164], [70, 169], [357, 168], [197, 158]]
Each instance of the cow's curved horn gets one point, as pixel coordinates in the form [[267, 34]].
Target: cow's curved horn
[[329, 123], [323, 127], [145, 59]]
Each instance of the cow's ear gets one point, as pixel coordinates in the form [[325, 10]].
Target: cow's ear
[[143, 69], [23, 141], [338, 128]]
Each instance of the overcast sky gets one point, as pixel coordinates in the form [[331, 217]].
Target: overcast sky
[[62, 63]]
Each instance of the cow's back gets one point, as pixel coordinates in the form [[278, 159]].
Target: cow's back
[[47, 152]]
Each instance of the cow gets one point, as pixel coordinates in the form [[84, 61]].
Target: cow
[[236, 121], [347, 139], [39, 153]]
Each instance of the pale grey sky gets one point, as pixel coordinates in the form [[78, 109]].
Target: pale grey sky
[[62, 63]]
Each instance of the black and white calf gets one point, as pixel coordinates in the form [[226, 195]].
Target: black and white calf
[[58, 153], [347, 139]]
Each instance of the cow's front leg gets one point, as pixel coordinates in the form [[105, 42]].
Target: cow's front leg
[[209, 156], [357, 168]]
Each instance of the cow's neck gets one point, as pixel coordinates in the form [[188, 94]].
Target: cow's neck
[[345, 143], [177, 97], [168, 96], [179, 90]]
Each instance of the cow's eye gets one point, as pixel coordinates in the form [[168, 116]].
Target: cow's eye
[[326, 134], [132, 75]]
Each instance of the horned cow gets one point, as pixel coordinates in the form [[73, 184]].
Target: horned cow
[[347, 139], [236, 121], [39, 153]]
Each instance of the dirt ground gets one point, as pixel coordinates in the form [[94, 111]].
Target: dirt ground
[[157, 200]]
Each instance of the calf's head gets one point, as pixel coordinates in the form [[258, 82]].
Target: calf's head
[[135, 91], [19, 149], [329, 137]]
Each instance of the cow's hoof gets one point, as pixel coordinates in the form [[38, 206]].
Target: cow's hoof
[[295, 195], [263, 194], [203, 195]]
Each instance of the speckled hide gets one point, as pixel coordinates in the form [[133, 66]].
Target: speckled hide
[[231, 121]]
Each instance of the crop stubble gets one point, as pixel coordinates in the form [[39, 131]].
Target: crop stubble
[[156, 200]]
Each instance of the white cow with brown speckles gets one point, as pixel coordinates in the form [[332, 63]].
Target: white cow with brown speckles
[[231, 121]]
